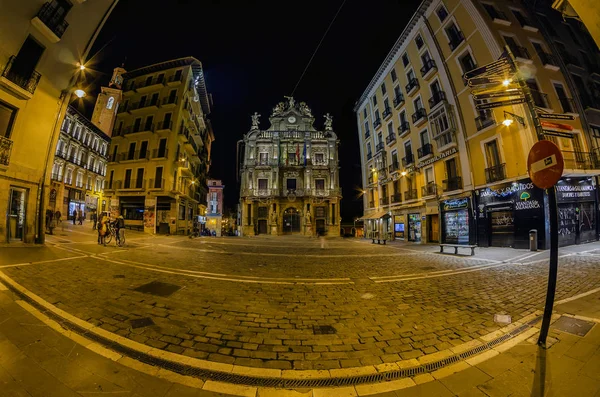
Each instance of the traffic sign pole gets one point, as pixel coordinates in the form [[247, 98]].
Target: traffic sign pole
[[552, 274]]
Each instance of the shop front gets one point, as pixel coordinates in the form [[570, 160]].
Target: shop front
[[507, 212], [458, 222], [576, 198], [414, 227], [399, 227]]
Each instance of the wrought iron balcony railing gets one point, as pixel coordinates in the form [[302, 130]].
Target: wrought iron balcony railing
[[455, 40], [390, 138], [540, 99], [411, 195], [160, 153], [403, 128], [156, 184], [134, 184], [396, 198], [436, 98], [53, 18], [384, 201], [418, 115], [408, 159], [485, 120], [520, 52], [567, 104], [425, 150], [5, 150], [495, 173], [380, 146], [395, 166], [398, 100], [26, 79], [387, 112], [429, 189], [377, 123], [548, 59], [451, 184], [412, 84], [429, 65]]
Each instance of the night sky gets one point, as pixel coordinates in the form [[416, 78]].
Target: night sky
[[253, 53]]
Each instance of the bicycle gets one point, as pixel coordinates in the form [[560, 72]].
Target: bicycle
[[112, 232]]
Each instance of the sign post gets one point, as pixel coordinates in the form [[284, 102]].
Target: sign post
[[545, 165]]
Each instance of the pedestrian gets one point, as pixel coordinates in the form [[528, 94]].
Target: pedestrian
[[74, 216], [103, 229], [119, 226], [57, 216], [94, 218], [81, 216]]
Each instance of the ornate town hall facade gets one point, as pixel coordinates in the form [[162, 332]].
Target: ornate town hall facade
[[289, 175]]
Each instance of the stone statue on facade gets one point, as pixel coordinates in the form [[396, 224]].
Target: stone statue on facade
[[328, 122], [291, 101], [255, 121], [273, 218], [305, 109], [279, 108], [307, 218]]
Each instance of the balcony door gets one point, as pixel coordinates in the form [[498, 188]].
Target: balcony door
[[59, 8], [26, 61], [492, 154]]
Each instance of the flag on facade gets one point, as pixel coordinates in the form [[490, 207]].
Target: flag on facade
[[297, 153], [304, 153]]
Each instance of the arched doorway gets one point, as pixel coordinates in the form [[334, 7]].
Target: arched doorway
[[291, 221]]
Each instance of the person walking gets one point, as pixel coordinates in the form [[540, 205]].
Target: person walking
[[94, 218], [74, 216], [57, 216], [81, 216], [119, 226]]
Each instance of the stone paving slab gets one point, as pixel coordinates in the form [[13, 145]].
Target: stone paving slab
[[272, 326]]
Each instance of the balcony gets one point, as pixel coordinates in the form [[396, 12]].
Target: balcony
[[581, 160], [369, 156], [134, 184], [425, 150], [429, 189], [549, 61], [396, 198], [521, 53], [377, 123], [408, 160], [428, 68], [147, 86], [113, 185], [526, 23], [367, 134], [371, 204], [384, 201], [499, 17], [436, 98], [143, 105], [19, 82], [403, 129], [156, 184], [398, 101], [50, 21], [540, 99], [264, 163], [371, 179], [455, 40], [174, 80], [412, 86], [390, 138], [387, 112], [570, 59], [379, 147], [160, 153], [164, 125], [133, 156], [495, 173], [419, 116], [485, 120], [410, 195], [56, 176], [567, 104], [169, 101], [451, 184], [395, 166], [5, 150]]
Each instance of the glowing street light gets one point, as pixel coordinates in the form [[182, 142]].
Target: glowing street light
[[507, 122], [403, 173], [79, 93], [506, 82]]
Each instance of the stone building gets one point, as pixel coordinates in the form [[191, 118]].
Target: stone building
[[289, 175], [42, 48], [159, 155], [79, 166], [214, 208]]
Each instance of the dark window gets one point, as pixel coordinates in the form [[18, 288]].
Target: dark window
[[320, 212], [333, 213], [162, 147], [158, 174], [167, 121], [114, 156], [143, 101], [383, 90], [172, 96], [154, 99], [137, 124], [148, 80], [572, 34], [374, 100], [139, 181], [397, 91], [149, 121], [249, 213], [131, 153], [419, 41], [262, 184], [521, 18], [405, 60], [178, 75], [127, 179], [442, 13], [365, 112], [263, 212], [454, 35], [160, 78], [467, 63], [407, 149], [319, 184], [291, 184], [492, 153], [143, 149], [181, 212], [451, 169], [7, 118], [393, 74]]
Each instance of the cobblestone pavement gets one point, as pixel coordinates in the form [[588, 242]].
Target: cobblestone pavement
[[261, 302]]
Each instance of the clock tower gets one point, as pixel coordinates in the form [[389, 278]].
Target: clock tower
[[108, 101]]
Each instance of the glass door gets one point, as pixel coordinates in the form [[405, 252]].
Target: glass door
[[16, 214]]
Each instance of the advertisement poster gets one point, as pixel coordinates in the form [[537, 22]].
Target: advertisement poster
[[149, 213], [399, 226], [114, 208]]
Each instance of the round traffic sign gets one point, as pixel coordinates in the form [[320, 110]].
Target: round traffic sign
[[545, 164]]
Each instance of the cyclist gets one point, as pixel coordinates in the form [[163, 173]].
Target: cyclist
[[119, 226]]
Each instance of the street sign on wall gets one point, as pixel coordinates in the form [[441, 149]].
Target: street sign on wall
[[491, 105], [545, 164], [562, 134], [498, 66], [556, 116], [484, 81], [558, 126], [497, 94]]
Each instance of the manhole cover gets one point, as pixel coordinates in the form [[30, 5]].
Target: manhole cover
[[158, 288], [573, 326], [118, 276], [323, 329], [141, 322]]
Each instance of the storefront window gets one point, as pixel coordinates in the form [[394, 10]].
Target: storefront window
[[181, 212], [414, 228]]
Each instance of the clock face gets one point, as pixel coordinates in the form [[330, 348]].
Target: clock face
[[292, 119]]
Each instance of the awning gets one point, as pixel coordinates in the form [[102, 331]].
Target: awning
[[374, 215]]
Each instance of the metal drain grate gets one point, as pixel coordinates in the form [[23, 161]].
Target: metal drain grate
[[158, 288], [203, 374]]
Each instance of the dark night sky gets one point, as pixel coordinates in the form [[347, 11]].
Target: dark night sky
[[253, 53]]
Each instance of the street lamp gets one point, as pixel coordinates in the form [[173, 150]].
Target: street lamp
[[79, 93], [509, 118]]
